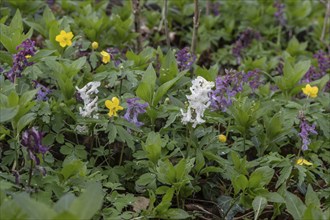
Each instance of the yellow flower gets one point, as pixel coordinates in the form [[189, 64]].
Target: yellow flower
[[28, 56], [64, 38], [113, 106], [105, 57], [302, 161], [222, 138], [310, 91], [95, 45]]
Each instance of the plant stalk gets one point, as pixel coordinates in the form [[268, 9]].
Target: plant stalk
[[137, 23]]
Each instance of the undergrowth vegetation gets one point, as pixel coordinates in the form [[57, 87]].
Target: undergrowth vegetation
[[172, 109]]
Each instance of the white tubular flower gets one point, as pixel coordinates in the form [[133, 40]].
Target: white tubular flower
[[198, 101], [90, 105]]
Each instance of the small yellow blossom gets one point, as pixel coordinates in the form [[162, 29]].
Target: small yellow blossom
[[105, 57], [113, 106], [302, 161], [95, 45], [310, 91], [28, 56], [64, 38], [222, 138]]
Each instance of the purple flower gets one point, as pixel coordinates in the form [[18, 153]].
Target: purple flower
[[305, 130], [31, 139], [42, 92], [20, 60], [253, 78], [279, 14], [315, 73], [133, 110], [185, 59], [115, 55], [215, 8], [227, 87], [243, 41]]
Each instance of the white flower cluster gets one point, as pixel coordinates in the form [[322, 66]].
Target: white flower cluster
[[90, 105], [198, 101]]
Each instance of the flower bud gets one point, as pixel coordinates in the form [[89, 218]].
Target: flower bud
[[95, 45]]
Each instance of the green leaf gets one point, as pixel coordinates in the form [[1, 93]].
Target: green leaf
[[86, 205], [146, 179], [66, 215], [162, 90], [177, 214], [284, 176], [7, 114], [169, 68], [153, 146], [258, 204], [146, 87], [240, 182], [24, 121], [34, 209], [294, 205], [166, 202], [313, 212], [311, 197], [112, 133], [27, 97], [261, 176], [64, 203]]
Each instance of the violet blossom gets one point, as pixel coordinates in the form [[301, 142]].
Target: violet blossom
[[134, 109], [185, 59], [114, 55], [305, 130], [315, 73], [243, 41], [42, 92], [279, 14], [32, 140], [229, 85], [20, 59]]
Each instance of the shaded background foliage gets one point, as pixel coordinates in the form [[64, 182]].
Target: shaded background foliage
[[270, 162]]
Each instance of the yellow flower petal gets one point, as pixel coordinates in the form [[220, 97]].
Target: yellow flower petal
[[69, 35], [62, 44], [302, 161], [108, 104], [115, 101]]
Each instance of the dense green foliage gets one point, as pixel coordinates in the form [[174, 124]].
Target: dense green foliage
[[69, 154]]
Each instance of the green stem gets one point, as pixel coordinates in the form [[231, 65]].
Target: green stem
[[121, 155], [30, 173]]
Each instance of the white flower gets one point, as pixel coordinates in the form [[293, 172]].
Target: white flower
[[90, 103], [198, 101]]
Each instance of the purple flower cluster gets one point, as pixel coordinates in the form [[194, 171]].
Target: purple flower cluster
[[305, 130], [32, 140], [244, 40], [314, 73], [229, 85], [215, 8], [253, 78], [42, 92], [115, 55], [20, 61], [185, 59], [133, 110], [279, 14]]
